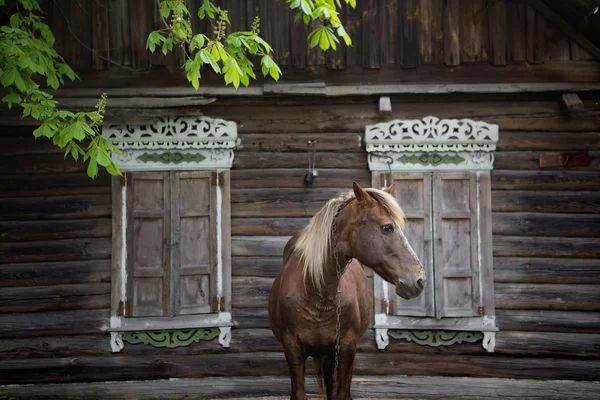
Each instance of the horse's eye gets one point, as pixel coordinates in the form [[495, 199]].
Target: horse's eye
[[387, 229]]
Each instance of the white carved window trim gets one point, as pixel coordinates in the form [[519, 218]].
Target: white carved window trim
[[426, 145], [172, 144]]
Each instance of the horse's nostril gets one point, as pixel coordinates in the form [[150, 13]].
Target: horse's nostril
[[421, 283]]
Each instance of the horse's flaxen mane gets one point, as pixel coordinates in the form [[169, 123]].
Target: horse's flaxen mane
[[314, 243]]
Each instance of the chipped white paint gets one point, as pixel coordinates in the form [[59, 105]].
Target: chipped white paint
[[224, 336], [479, 249], [382, 338], [489, 341], [123, 244], [116, 341], [219, 240]]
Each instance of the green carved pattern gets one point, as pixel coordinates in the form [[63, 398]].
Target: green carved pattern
[[171, 157], [431, 158], [436, 338], [171, 339]]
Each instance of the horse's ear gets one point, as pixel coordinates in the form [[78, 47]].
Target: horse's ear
[[360, 193], [390, 188]]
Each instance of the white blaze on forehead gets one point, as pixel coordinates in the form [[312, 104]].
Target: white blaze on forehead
[[405, 242]]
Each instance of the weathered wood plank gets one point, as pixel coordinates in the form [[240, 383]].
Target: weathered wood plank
[[39, 164], [54, 185], [267, 226], [122, 367], [55, 346], [54, 273], [522, 246], [535, 36], [329, 142], [546, 180], [474, 31], [250, 292], [72, 322], [55, 250], [424, 388], [390, 31], [546, 270], [53, 230], [409, 33], [498, 32], [299, 47], [556, 44], [431, 36], [549, 321], [279, 203], [250, 318], [258, 246], [536, 224], [545, 201], [452, 32], [119, 37], [48, 208], [372, 19], [517, 33], [248, 160], [86, 296], [530, 160], [294, 178], [139, 31], [547, 344], [100, 34], [547, 297]]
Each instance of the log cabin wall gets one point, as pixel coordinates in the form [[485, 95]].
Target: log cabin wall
[[55, 223], [56, 226]]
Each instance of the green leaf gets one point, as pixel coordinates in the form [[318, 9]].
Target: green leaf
[[165, 10], [11, 99], [15, 21], [197, 41], [153, 39], [92, 169], [45, 130], [64, 69], [9, 76], [103, 158]]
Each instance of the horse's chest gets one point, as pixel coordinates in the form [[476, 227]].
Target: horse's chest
[[315, 324]]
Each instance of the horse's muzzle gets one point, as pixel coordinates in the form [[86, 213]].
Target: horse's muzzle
[[408, 290]]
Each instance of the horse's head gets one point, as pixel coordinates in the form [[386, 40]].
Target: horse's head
[[374, 237]]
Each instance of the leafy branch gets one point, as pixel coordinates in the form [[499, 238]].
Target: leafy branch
[[27, 51]]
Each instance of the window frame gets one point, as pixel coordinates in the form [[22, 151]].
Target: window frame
[[174, 145], [435, 146]]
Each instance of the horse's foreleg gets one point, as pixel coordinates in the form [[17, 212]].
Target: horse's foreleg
[[297, 364], [346, 370], [328, 376]]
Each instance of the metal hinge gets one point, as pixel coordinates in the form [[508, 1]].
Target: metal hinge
[[386, 306], [481, 310], [218, 303], [123, 309]]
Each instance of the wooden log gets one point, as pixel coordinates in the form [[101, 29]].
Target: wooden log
[[371, 46], [545, 201], [100, 34], [50, 230], [249, 160], [258, 246], [451, 33], [86, 296], [250, 292], [521, 246], [530, 160], [55, 250], [547, 344], [535, 224], [363, 386], [329, 142], [279, 203], [58, 207], [256, 266], [294, 178], [244, 318], [510, 296], [122, 367], [431, 36], [546, 180], [473, 31], [55, 185], [55, 346], [409, 33], [54, 273], [40, 164], [517, 32], [73, 322], [546, 270], [548, 321], [498, 32], [267, 226], [553, 141]]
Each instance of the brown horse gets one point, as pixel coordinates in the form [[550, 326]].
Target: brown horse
[[323, 277]]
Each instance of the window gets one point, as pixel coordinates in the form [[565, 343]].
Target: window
[[171, 227], [441, 173]]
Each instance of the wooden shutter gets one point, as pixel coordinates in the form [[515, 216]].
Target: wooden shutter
[[194, 242], [413, 193], [148, 229], [456, 241]]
